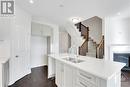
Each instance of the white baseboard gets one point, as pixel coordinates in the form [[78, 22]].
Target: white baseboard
[[38, 66], [51, 76]]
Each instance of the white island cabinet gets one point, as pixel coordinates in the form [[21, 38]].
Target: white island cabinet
[[4, 63], [63, 72], [89, 73]]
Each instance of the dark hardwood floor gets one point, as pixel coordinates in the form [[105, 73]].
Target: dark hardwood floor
[[125, 81], [38, 78]]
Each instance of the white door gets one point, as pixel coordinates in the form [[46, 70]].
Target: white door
[[20, 53], [38, 51]]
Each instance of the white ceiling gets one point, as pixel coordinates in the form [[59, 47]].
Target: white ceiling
[[51, 10]]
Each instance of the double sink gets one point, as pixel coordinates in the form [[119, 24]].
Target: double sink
[[73, 60]]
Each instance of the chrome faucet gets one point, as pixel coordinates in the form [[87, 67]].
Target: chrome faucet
[[73, 51]]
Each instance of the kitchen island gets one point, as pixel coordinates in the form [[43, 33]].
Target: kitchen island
[[86, 72]]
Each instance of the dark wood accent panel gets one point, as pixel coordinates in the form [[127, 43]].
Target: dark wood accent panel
[[83, 49]]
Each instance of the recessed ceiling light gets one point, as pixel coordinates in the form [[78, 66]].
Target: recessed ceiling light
[[76, 20], [61, 5], [118, 13], [31, 1]]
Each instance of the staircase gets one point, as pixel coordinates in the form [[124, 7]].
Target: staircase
[[83, 49], [89, 47]]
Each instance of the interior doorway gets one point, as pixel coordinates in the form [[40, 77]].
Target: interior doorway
[[40, 48]]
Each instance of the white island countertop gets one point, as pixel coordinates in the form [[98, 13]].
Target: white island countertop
[[3, 60], [99, 67]]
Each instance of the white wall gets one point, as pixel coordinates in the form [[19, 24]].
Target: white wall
[[5, 24], [38, 51], [54, 42], [64, 42], [4, 49], [117, 33], [17, 30], [95, 28], [40, 46], [55, 33], [76, 39], [41, 29]]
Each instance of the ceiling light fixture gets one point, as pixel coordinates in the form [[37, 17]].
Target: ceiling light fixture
[[118, 13], [61, 5], [76, 20], [31, 1]]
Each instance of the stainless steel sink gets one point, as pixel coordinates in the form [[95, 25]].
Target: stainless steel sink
[[73, 60]]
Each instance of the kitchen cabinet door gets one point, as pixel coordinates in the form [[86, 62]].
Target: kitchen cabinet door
[[68, 76], [59, 74]]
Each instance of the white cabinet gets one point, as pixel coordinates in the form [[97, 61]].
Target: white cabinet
[[4, 73], [86, 80], [59, 74], [1, 75], [82, 83], [64, 75], [68, 76], [86, 77], [51, 67]]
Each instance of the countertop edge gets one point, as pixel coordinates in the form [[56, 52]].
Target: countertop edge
[[95, 74]]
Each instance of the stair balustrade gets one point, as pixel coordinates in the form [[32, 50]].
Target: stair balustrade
[[83, 49], [100, 49]]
